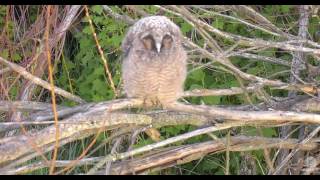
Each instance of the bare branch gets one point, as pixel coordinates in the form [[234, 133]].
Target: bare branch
[[168, 157], [39, 81]]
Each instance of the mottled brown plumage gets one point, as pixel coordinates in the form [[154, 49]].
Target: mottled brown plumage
[[154, 66]]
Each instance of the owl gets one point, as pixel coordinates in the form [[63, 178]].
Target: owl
[[154, 67]]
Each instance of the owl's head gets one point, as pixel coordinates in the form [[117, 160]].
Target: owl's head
[[155, 35], [156, 42]]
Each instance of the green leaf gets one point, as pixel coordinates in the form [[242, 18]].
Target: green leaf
[[197, 75], [98, 19], [98, 85], [218, 23], [87, 30], [211, 100], [4, 53], [185, 27], [98, 71], [97, 9], [195, 86], [285, 8], [269, 132], [16, 57], [254, 70]]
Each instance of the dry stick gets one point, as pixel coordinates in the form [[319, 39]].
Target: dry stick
[[24, 106], [224, 61], [299, 62], [243, 40], [170, 157], [239, 20], [4, 70], [293, 152], [44, 112], [39, 81], [14, 147], [228, 153], [53, 96], [70, 166], [36, 118], [261, 58], [226, 114], [5, 91], [261, 20], [218, 56], [266, 153], [177, 154], [217, 92], [28, 139], [257, 17], [277, 84], [40, 67], [40, 106], [98, 127], [29, 142], [112, 107], [17, 148], [117, 16], [114, 157], [103, 58], [297, 65], [160, 121], [113, 150], [50, 147], [38, 165], [46, 149]]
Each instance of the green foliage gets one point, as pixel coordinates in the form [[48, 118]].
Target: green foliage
[[86, 68]]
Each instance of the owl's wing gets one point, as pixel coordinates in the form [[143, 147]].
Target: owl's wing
[[127, 42]]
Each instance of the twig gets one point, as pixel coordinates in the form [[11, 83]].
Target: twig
[[27, 88], [220, 113], [39, 81], [241, 21], [261, 58], [293, 152], [114, 157], [117, 16], [113, 151], [53, 96], [103, 58], [246, 41], [177, 155], [4, 70], [297, 65], [24, 106], [217, 92]]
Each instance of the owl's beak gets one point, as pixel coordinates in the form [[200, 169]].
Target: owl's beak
[[158, 46]]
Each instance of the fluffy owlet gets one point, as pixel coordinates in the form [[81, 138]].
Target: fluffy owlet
[[154, 67]]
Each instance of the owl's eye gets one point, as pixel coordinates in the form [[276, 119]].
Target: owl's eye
[[149, 42], [166, 42]]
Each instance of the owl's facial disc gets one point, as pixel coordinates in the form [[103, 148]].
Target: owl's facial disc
[[151, 43], [157, 43]]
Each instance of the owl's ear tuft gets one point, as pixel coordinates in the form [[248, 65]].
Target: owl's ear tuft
[[167, 42], [148, 42]]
